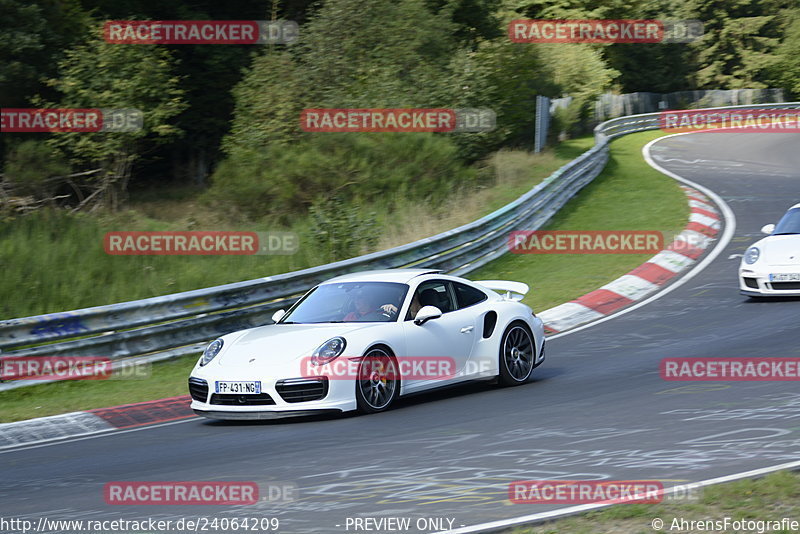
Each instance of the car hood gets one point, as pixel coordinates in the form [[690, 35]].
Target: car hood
[[283, 343], [780, 250]]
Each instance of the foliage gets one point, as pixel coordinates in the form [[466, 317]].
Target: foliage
[[30, 164], [269, 100], [340, 230], [739, 46], [280, 181], [33, 35], [101, 75], [786, 70]]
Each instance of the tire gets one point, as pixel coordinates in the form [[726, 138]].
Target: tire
[[380, 385], [517, 354]]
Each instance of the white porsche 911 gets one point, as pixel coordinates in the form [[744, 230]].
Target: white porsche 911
[[771, 266], [359, 341]]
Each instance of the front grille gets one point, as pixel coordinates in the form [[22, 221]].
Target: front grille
[[235, 399], [780, 286], [752, 283], [302, 389], [198, 389]]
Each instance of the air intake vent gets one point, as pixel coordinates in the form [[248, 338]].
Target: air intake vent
[[489, 322], [198, 389], [235, 399], [302, 389]]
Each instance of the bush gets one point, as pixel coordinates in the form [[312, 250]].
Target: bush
[[280, 181], [29, 166], [339, 231]]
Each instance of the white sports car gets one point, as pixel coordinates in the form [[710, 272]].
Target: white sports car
[[771, 266], [361, 340]]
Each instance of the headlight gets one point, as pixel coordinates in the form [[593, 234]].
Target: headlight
[[328, 351], [211, 351], [751, 256]]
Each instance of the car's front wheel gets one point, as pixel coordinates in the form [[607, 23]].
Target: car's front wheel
[[378, 381], [516, 355]]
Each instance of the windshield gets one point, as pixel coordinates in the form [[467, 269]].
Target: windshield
[[349, 302], [790, 223]]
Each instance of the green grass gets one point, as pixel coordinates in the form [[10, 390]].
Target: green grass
[[770, 498], [513, 173], [54, 261], [168, 379], [628, 195]]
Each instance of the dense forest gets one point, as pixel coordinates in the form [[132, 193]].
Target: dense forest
[[224, 118]]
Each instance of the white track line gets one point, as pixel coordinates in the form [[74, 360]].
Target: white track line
[[541, 517], [724, 239], [97, 434]]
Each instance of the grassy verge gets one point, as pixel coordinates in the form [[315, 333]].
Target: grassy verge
[[54, 261], [514, 171], [767, 499], [628, 195], [621, 198], [168, 379]]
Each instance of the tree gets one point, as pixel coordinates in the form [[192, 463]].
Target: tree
[[102, 75], [378, 53], [786, 71], [741, 37], [33, 35]]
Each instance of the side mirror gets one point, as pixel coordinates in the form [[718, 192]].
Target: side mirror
[[768, 229], [278, 315], [426, 313]]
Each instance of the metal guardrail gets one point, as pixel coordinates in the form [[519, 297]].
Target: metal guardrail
[[613, 128], [172, 325]]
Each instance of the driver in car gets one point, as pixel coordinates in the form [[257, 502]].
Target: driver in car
[[367, 309]]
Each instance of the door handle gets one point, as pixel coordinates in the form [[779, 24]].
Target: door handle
[[467, 329]]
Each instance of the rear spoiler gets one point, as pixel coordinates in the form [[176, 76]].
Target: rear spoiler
[[512, 290]]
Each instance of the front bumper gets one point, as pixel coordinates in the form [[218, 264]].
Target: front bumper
[[540, 359], [756, 283], [260, 416], [339, 397]]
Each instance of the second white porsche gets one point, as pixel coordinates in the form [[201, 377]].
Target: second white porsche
[[771, 266], [361, 340]]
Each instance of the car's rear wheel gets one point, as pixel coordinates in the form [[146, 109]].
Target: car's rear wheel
[[378, 381], [516, 355]]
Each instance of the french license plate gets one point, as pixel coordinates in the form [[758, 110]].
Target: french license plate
[[240, 388], [785, 277]]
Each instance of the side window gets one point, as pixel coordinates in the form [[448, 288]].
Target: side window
[[432, 293], [468, 296]]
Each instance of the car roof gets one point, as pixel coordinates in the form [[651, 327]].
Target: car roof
[[383, 275]]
